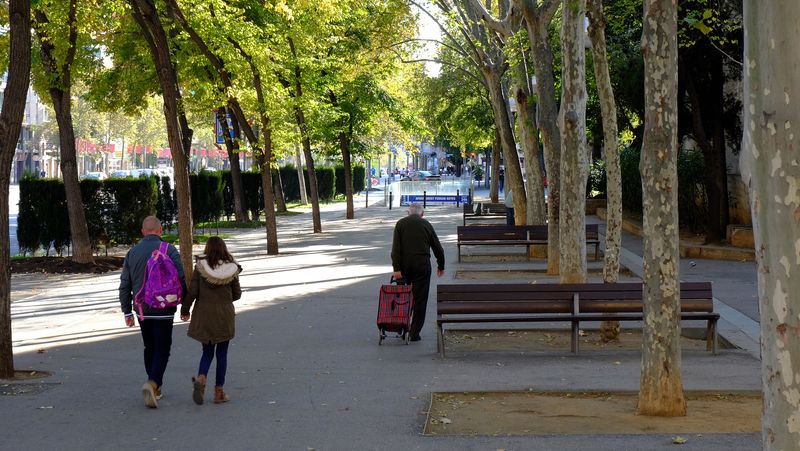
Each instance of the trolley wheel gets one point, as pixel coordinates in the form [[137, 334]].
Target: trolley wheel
[[381, 336]]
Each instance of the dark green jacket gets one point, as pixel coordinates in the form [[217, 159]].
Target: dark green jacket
[[413, 240]]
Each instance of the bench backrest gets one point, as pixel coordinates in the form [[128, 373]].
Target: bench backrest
[[519, 232], [493, 208], [501, 232], [558, 298]]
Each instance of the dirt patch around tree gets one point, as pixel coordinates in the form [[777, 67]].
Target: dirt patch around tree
[[572, 413], [541, 340], [64, 265]]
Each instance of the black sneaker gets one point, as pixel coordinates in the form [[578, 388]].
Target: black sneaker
[[415, 338]]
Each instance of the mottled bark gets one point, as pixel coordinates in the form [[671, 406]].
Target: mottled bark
[[609, 330], [502, 121], [574, 151], [497, 149], [232, 146], [661, 386], [179, 135], [770, 170], [534, 189], [59, 77], [10, 125], [537, 21]]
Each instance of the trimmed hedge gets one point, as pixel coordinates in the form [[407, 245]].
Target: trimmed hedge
[[692, 198], [42, 220], [207, 198], [114, 211], [132, 201], [326, 183], [358, 179]]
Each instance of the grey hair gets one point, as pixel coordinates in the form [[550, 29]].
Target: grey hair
[[415, 209]]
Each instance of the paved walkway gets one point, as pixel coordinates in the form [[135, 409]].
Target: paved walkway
[[305, 371]]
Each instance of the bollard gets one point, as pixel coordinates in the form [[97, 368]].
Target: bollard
[[458, 198], [391, 196], [470, 195], [424, 199]]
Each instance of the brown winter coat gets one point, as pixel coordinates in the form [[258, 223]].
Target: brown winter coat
[[214, 290]]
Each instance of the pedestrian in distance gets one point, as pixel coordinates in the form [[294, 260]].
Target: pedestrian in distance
[[213, 289], [155, 316], [412, 242], [501, 178], [509, 202]]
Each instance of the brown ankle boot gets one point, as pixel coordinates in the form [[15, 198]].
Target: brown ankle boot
[[199, 389], [219, 395]]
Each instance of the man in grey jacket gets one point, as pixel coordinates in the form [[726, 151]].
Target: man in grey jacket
[[156, 326]]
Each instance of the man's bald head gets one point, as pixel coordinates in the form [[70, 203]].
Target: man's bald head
[[151, 226]]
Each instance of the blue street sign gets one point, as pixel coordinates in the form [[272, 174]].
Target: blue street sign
[[407, 199]]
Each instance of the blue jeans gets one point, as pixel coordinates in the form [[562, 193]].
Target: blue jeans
[[509, 216], [157, 338], [222, 360]]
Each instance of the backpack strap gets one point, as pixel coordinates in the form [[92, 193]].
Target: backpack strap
[[164, 247]]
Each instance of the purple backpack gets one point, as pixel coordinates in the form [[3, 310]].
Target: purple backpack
[[161, 286]]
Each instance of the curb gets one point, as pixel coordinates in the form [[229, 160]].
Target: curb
[[690, 250]]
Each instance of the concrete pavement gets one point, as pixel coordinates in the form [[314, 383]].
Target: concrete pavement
[[305, 370]]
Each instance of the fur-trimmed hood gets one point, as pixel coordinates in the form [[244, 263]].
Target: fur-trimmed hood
[[223, 274]]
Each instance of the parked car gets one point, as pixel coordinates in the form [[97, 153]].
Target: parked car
[[95, 176], [417, 176], [121, 174]]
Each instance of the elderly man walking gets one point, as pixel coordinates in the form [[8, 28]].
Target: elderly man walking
[[155, 324], [413, 240]]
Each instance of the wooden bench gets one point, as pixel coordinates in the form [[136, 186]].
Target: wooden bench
[[514, 235], [510, 303], [489, 211]]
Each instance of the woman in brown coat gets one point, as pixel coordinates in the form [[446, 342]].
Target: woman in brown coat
[[214, 285]]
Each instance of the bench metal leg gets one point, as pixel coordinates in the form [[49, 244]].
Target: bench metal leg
[[459, 252], [596, 251], [440, 339], [575, 337]]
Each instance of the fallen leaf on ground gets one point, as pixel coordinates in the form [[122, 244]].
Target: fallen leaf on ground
[[445, 420], [678, 440]]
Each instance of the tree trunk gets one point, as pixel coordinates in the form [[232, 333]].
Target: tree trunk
[[497, 148], [526, 123], [716, 172], [312, 174], [301, 179], [236, 171], [263, 157], [609, 330], [574, 154], [280, 198], [547, 118], [79, 231], [10, 125], [770, 171], [661, 387], [344, 145], [345, 138], [178, 133], [59, 76], [300, 118], [502, 122]]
